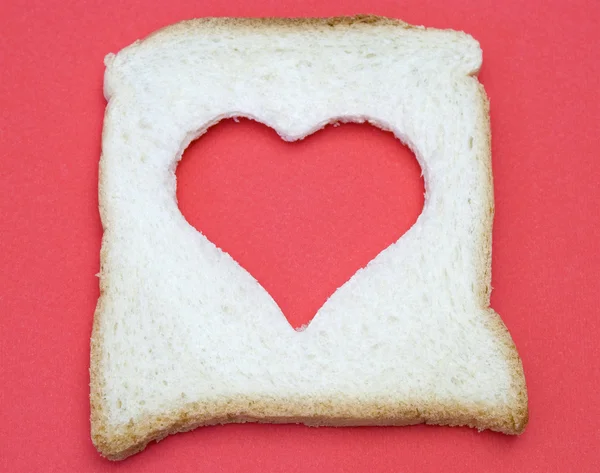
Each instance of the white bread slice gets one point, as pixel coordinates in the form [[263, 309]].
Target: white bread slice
[[183, 336]]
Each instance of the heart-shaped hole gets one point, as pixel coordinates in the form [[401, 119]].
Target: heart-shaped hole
[[301, 217]]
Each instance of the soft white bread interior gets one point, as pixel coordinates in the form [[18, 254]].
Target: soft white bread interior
[[183, 336]]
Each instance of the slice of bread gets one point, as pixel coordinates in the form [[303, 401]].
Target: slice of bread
[[183, 336]]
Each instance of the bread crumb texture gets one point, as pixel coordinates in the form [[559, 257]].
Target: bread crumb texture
[[189, 338]]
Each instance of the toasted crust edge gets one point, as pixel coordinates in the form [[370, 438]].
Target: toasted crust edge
[[134, 437]]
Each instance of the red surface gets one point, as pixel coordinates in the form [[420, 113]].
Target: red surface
[[302, 217]]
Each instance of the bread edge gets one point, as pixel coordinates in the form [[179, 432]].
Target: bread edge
[[493, 321], [134, 437], [292, 22]]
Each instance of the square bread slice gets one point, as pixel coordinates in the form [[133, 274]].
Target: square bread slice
[[183, 336]]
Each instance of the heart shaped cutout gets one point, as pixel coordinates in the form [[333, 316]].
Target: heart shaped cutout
[[301, 217]]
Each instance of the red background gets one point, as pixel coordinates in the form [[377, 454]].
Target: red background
[[302, 218]]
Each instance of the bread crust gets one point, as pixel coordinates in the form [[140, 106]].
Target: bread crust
[[493, 321], [335, 412], [291, 23], [119, 443]]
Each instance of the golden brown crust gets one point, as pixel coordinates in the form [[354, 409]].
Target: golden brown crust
[[119, 442], [494, 323], [98, 419], [134, 437], [262, 23]]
